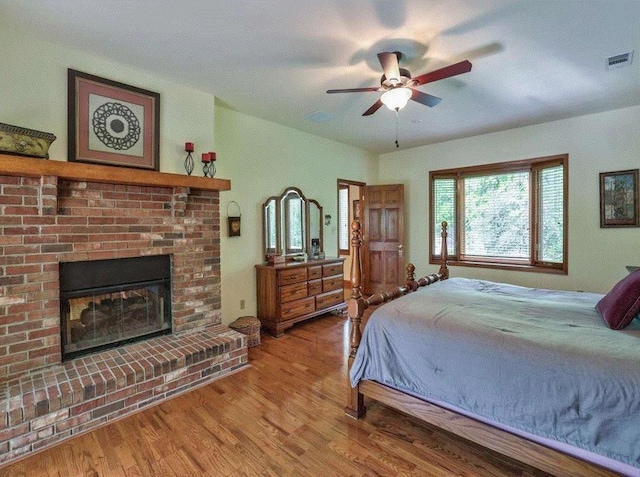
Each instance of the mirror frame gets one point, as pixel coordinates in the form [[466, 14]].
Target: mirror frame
[[310, 203], [292, 194], [265, 219], [280, 224]]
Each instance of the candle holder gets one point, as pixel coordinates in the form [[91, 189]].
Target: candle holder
[[205, 168], [188, 162], [206, 163], [212, 164]]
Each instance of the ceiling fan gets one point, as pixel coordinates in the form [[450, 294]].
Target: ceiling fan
[[398, 87]]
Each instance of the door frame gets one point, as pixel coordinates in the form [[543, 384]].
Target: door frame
[[360, 185]]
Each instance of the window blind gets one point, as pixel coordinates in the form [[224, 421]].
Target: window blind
[[496, 213], [444, 208], [343, 219], [551, 203]]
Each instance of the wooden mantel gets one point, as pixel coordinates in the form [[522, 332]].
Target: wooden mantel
[[77, 171]]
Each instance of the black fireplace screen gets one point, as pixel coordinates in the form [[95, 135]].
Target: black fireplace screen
[[106, 303]]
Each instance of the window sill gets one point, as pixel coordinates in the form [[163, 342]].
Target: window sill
[[502, 266]]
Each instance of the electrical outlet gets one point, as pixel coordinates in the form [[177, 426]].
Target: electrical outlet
[[242, 304]]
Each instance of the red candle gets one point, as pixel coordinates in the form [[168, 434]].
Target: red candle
[[212, 156], [188, 147], [206, 157]]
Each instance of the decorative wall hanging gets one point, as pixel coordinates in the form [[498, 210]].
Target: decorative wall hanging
[[619, 199], [234, 221], [112, 123]]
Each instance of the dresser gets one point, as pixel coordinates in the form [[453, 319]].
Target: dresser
[[295, 291]]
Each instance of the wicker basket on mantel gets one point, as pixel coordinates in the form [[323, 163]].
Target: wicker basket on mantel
[[250, 326], [24, 142]]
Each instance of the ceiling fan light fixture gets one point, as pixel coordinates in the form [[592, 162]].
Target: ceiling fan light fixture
[[396, 98]]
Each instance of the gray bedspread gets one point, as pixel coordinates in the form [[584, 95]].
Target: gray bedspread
[[540, 361]]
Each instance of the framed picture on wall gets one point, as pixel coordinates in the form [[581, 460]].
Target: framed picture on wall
[[619, 199], [112, 123], [234, 226]]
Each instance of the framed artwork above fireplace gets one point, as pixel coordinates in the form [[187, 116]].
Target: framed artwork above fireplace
[[112, 123]]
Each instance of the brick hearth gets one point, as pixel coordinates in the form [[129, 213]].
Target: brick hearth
[[47, 220]]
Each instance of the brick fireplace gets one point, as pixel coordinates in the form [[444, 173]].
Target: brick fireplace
[[69, 212]]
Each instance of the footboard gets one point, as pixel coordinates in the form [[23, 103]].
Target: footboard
[[357, 304]]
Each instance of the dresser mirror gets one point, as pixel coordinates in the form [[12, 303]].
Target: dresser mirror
[[292, 213], [292, 225], [314, 217], [270, 228]]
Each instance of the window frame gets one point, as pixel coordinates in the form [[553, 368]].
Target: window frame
[[533, 167]]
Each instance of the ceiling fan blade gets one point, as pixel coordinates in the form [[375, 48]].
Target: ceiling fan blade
[[373, 108], [446, 72], [424, 98], [389, 62], [352, 90]]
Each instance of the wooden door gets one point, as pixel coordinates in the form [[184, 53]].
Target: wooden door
[[383, 261]]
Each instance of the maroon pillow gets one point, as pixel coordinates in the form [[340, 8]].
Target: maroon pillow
[[621, 305]]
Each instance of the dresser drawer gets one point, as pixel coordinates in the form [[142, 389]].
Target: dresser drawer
[[332, 283], [314, 272], [292, 275], [332, 269], [315, 287], [328, 299], [293, 292], [297, 308]]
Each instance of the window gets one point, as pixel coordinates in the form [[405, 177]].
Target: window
[[510, 215], [343, 218], [349, 193]]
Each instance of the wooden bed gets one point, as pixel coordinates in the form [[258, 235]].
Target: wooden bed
[[536, 455]]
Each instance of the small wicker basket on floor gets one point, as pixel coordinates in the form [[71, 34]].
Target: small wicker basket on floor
[[250, 326]]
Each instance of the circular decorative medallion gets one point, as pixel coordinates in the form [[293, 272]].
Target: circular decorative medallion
[[116, 126]]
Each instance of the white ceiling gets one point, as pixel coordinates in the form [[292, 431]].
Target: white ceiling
[[533, 60]]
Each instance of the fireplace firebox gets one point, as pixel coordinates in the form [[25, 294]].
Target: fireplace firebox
[[106, 303]]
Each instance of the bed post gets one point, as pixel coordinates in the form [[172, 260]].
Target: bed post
[[357, 305], [444, 270], [411, 283]]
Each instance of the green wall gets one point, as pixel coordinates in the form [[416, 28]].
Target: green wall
[[259, 157], [33, 78], [262, 159], [608, 141]]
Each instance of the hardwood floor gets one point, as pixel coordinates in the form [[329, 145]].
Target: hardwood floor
[[281, 417]]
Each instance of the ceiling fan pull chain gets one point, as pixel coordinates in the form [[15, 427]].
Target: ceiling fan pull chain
[[397, 144]]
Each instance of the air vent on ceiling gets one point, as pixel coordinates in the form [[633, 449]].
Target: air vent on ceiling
[[319, 117], [618, 61]]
